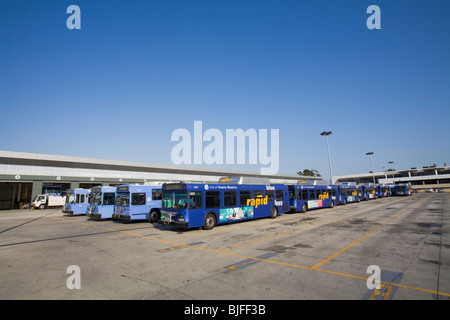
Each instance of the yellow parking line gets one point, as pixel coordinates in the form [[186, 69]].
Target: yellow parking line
[[259, 259], [366, 235], [297, 229]]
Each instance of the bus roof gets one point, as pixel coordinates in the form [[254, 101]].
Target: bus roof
[[136, 187], [78, 190], [216, 186], [244, 180], [350, 183], [103, 189], [314, 182]]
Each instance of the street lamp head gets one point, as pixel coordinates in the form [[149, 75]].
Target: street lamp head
[[326, 133], [369, 153]]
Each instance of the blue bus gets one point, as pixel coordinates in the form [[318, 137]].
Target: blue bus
[[384, 191], [193, 205], [77, 201], [304, 197], [369, 191], [101, 204], [402, 189], [348, 192], [138, 202]]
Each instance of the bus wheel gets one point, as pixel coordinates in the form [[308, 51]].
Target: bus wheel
[[153, 216], [210, 221], [304, 208], [331, 204], [274, 212]]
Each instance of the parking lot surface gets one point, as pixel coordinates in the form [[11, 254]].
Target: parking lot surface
[[321, 254]]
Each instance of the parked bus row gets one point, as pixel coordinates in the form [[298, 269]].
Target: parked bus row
[[193, 205]]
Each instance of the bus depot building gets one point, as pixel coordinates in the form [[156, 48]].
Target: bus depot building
[[23, 176]]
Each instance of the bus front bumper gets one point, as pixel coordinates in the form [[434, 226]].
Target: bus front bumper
[[94, 216], [168, 218], [177, 223]]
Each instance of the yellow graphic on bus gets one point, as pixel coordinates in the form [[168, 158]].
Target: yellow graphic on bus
[[258, 201]]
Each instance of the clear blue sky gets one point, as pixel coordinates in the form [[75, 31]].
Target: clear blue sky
[[138, 70]]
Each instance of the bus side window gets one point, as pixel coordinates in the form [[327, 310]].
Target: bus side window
[[323, 191], [257, 193], [243, 197], [195, 200], [229, 199], [212, 199], [137, 199], [269, 194], [279, 195], [156, 194], [305, 194], [311, 194]]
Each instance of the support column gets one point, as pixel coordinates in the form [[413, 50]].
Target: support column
[[74, 185], [37, 189]]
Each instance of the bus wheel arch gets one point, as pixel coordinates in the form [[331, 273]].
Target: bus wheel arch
[[210, 221], [273, 212], [154, 215], [304, 207]]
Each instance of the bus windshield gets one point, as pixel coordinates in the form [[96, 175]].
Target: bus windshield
[[123, 199], [174, 199], [96, 198], [70, 199]]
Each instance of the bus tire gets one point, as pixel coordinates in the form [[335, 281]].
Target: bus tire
[[274, 212], [154, 216], [210, 221], [304, 208], [331, 204]]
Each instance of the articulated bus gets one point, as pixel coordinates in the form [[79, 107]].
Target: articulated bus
[[369, 191], [192, 205], [348, 192], [101, 204], [402, 189], [138, 202], [77, 201], [307, 196]]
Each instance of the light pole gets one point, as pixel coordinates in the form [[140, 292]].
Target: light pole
[[391, 162], [371, 164], [326, 134]]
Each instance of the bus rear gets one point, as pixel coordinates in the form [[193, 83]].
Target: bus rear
[[101, 204], [137, 203]]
